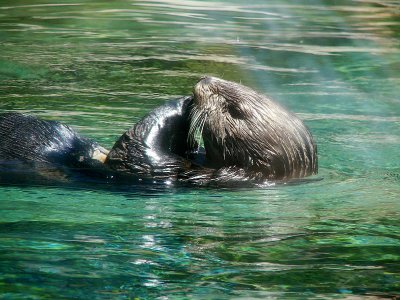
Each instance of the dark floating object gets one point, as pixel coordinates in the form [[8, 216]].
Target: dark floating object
[[245, 139]]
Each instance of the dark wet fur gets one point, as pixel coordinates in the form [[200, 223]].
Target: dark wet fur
[[157, 146], [27, 138], [38, 150]]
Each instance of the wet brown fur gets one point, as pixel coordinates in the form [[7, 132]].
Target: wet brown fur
[[243, 129]]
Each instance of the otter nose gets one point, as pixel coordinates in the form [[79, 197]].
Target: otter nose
[[205, 80], [203, 84], [208, 82]]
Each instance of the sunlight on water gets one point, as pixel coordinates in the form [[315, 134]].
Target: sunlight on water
[[99, 66]]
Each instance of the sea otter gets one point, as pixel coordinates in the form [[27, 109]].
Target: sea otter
[[225, 133]]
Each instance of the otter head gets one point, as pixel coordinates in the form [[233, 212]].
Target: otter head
[[244, 129]]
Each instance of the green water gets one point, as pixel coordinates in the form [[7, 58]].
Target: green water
[[99, 66]]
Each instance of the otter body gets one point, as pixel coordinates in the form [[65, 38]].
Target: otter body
[[40, 151], [25, 137], [246, 138]]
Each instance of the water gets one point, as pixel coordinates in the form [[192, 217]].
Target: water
[[99, 66]]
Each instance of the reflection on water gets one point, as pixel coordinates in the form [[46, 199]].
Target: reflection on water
[[99, 66]]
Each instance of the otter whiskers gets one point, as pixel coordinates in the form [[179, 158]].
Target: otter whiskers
[[198, 119]]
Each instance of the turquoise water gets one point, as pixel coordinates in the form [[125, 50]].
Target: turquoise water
[[99, 66]]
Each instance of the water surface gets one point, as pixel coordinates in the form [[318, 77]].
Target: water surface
[[99, 66]]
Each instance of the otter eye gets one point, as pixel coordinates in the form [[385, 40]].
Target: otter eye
[[235, 111]]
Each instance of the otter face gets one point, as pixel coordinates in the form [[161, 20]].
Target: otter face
[[244, 129]]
